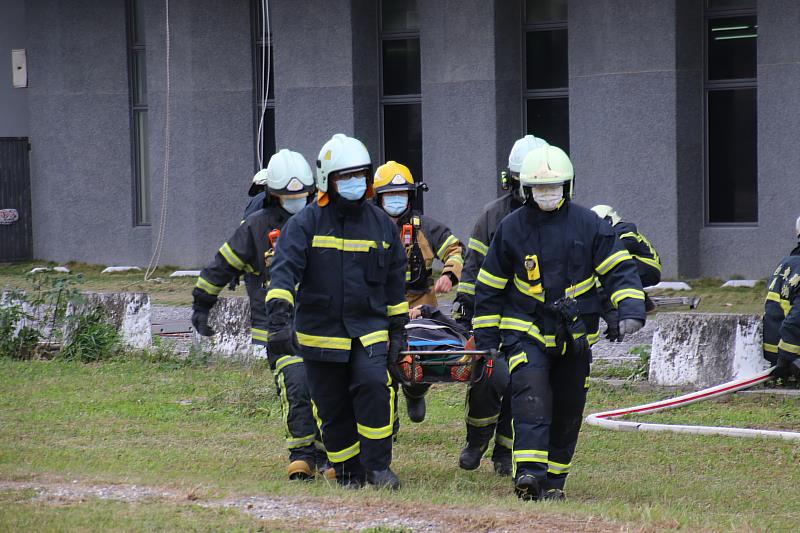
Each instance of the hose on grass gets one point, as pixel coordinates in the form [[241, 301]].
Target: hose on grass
[[607, 419]]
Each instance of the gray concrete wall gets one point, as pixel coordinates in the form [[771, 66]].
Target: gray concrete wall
[[622, 77], [754, 251], [211, 121], [80, 133], [13, 102], [459, 109]]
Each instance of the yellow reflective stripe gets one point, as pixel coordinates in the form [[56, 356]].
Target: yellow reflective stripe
[[299, 442], [593, 337], [443, 248], [482, 422], [630, 234], [516, 360], [343, 455], [376, 336], [466, 288], [399, 309], [408, 275], [345, 245], [210, 288], [788, 347], [558, 468], [611, 261], [491, 280], [317, 419], [478, 246], [233, 259], [524, 326], [586, 382], [502, 440], [582, 287], [280, 294], [284, 404], [259, 334], [456, 258], [386, 245], [375, 433], [621, 294], [315, 341], [771, 348], [287, 360], [486, 321], [530, 456], [527, 289], [784, 303], [647, 261]]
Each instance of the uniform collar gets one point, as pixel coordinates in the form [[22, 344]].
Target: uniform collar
[[534, 214], [796, 250]]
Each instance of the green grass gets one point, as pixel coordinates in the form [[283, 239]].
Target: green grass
[[216, 431], [167, 291], [716, 299]]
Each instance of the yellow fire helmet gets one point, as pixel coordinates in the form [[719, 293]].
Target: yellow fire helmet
[[393, 177]]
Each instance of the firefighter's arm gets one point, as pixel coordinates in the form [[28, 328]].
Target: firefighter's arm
[[447, 248], [618, 274], [790, 328], [492, 281], [232, 258], [286, 271], [475, 253], [396, 304]]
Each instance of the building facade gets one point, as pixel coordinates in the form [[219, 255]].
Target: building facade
[[682, 114]]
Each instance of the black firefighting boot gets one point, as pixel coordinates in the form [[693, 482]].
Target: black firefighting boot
[[350, 474], [502, 463], [415, 408], [527, 488], [383, 479], [557, 495], [477, 444]]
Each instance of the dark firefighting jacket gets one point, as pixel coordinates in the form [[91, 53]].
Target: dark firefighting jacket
[[426, 239], [538, 257], [247, 251], [478, 245], [782, 309], [647, 261], [344, 273], [255, 203]]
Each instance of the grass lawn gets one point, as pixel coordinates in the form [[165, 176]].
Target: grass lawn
[[214, 431]]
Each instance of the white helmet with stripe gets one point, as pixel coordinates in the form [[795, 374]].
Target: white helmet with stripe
[[341, 154], [289, 174]]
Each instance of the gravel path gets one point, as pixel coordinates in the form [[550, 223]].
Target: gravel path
[[329, 514]]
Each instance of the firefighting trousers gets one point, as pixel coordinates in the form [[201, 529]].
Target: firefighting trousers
[[548, 394], [356, 404], [488, 411], [302, 433]]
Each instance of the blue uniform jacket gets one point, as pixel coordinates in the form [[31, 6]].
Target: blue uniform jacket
[[345, 275], [536, 258]]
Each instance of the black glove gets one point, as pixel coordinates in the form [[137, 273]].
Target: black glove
[[233, 283], [200, 322], [574, 330], [462, 312], [282, 341], [612, 322], [398, 339], [786, 366]]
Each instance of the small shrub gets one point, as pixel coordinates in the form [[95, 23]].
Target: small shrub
[[642, 369], [93, 339], [15, 344]]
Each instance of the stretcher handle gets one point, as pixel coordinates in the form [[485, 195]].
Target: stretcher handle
[[446, 352]]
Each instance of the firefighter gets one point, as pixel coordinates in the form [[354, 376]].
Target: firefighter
[[535, 295], [340, 265], [289, 186], [648, 264], [488, 402], [782, 315], [424, 239]]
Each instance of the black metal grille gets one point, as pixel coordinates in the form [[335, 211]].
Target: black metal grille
[[15, 200]]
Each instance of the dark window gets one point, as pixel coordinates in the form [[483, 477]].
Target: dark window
[[546, 71], [401, 90], [263, 76], [401, 68], [137, 80], [731, 113], [545, 11], [548, 118]]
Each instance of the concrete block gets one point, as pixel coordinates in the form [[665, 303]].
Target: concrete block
[[129, 312], [39, 270], [111, 270], [700, 350], [185, 274], [740, 283], [230, 319], [669, 286]]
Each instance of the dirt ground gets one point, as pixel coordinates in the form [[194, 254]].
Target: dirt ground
[[320, 513]]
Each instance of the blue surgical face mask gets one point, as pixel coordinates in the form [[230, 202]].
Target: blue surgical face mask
[[293, 205], [352, 188], [395, 205]]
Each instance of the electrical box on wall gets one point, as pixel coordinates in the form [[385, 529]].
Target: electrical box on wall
[[19, 68]]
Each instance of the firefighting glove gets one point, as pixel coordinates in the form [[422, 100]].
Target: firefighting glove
[[281, 339], [397, 336], [787, 365], [462, 312], [200, 322], [611, 318], [628, 326], [573, 330]]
